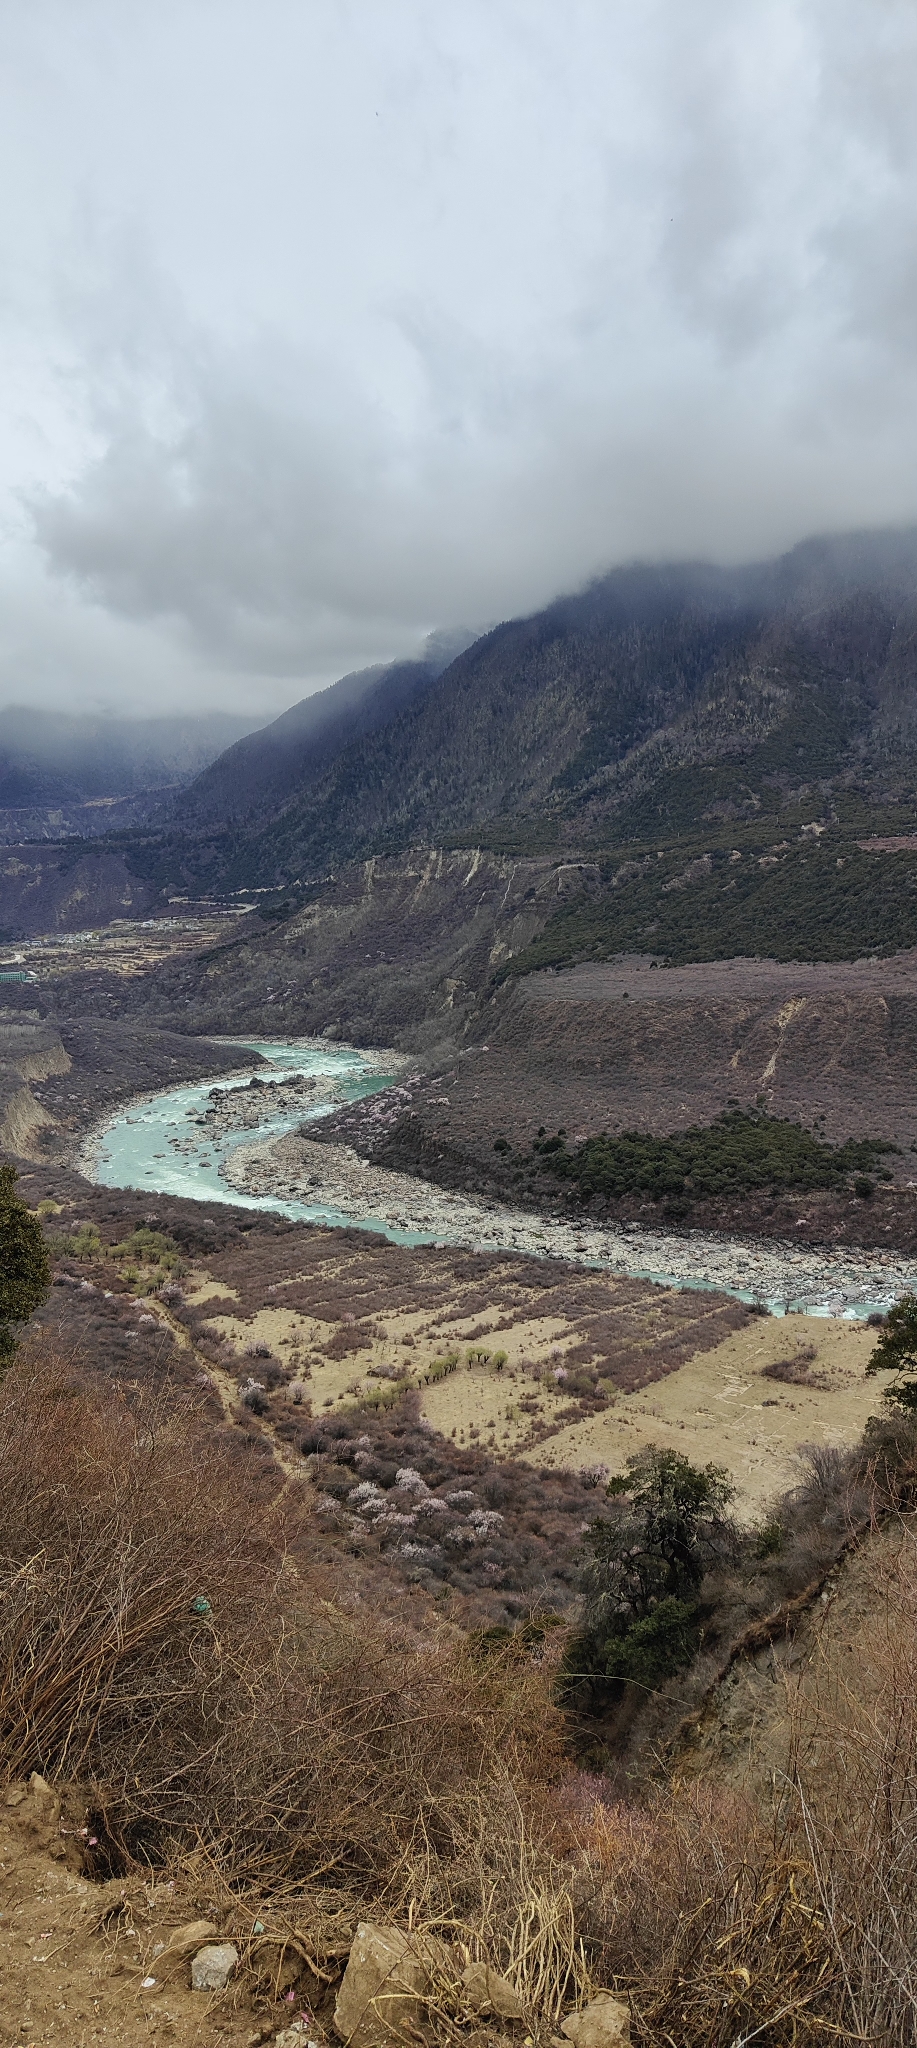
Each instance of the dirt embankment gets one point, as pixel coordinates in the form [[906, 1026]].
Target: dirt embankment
[[56, 1081], [91, 1962], [788, 1681], [396, 951], [628, 1046], [30, 1050]]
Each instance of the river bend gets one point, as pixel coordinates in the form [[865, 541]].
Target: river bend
[[226, 1140]]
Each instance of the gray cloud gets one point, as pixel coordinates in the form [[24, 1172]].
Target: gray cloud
[[326, 326]]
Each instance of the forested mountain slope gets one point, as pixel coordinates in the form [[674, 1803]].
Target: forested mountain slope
[[656, 701], [288, 758]]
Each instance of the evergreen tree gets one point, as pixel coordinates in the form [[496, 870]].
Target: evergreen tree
[[25, 1274], [896, 1352], [642, 1570]]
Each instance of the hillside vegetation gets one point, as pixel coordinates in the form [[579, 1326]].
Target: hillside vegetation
[[738, 1154], [799, 899], [655, 700], [240, 1729]]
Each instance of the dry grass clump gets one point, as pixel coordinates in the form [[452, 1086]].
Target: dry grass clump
[[796, 1371], [707, 1913], [158, 1642], [792, 1916], [852, 1790]]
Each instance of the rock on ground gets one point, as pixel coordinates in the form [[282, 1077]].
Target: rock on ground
[[213, 1966], [603, 2023], [386, 1982], [485, 1992]]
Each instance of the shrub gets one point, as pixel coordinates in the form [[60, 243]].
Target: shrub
[[154, 1644], [738, 1153], [662, 1642], [896, 1352]]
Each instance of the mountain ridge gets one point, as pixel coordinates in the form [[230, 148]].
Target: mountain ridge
[[561, 728]]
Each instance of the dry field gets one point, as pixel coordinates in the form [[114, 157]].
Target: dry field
[[595, 1365], [122, 946], [690, 1370]]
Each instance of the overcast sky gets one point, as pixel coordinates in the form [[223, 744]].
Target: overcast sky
[[327, 322]]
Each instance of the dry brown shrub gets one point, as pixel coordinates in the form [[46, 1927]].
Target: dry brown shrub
[[705, 1912], [852, 1792], [795, 1371], [289, 1740], [790, 1915]]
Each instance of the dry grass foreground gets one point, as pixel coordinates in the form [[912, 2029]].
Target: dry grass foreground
[[279, 1765]]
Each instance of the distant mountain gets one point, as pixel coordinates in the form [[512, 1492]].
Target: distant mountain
[[655, 699], [93, 772], [285, 760]]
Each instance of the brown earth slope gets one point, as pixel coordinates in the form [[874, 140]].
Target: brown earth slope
[[631, 1046]]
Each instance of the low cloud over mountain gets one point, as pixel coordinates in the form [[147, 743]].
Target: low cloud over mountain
[[318, 335]]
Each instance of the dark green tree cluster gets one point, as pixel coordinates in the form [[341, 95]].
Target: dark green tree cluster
[[896, 1352], [740, 1153], [25, 1274], [828, 902], [642, 1570]]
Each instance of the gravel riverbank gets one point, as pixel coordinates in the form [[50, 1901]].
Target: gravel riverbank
[[832, 1281]]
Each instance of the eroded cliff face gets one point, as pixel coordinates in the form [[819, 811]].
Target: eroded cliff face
[[398, 950], [792, 1035], [59, 888], [814, 1672], [30, 1050]]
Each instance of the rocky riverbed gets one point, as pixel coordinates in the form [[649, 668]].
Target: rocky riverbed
[[244, 1108], [834, 1281]]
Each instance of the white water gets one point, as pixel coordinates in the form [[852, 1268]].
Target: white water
[[157, 1144]]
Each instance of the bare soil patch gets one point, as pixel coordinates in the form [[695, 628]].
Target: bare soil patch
[[77, 1955]]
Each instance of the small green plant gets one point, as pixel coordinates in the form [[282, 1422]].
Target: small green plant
[[151, 1248], [82, 1242], [439, 1368], [770, 1539]]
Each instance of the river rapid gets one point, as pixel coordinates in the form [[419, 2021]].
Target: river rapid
[[225, 1140]]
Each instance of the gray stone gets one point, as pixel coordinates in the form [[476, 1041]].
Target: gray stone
[[213, 1966], [484, 1992], [386, 1983], [603, 2023], [171, 1955]]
